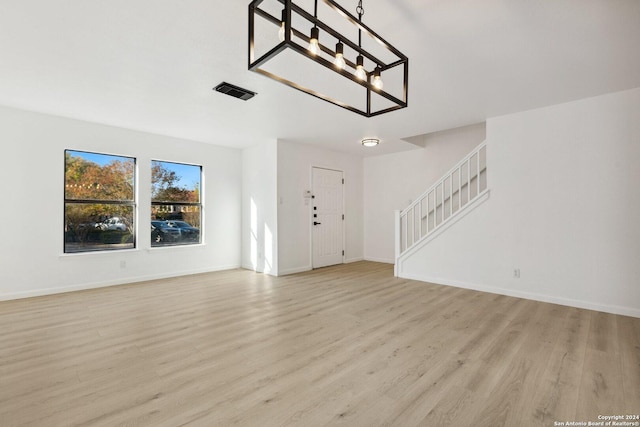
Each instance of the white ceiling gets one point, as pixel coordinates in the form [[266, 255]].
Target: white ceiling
[[151, 65]]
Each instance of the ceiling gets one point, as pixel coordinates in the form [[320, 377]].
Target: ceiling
[[150, 65]]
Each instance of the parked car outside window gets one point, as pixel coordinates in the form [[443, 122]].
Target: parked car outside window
[[114, 223], [188, 232], [163, 233]]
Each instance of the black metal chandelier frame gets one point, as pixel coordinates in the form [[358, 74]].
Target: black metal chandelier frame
[[256, 64]]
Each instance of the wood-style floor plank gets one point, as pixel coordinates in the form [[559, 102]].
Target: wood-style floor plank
[[346, 345]]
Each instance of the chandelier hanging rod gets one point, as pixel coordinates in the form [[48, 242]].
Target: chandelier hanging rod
[[355, 21]]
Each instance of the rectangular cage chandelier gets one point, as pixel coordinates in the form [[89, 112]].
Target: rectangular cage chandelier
[[302, 33]]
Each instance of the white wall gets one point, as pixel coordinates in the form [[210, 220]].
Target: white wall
[[31, 184], [393, 181], [563, 209], [259, 208], [294, 216]]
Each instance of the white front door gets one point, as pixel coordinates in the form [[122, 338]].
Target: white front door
[[327, 217]]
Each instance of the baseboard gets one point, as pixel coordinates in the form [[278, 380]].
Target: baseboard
[[96, 285], [252, 268], [247, 267], [295, 270], [304, 268], [309, 267], [382, 260], [613, 309]]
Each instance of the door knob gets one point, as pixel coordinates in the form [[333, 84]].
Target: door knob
[[316, 223]]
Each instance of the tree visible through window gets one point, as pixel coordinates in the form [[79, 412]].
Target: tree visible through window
[[99, 202], [176, 207]]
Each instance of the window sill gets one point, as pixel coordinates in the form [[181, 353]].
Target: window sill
[[169, 247], [96, 253]]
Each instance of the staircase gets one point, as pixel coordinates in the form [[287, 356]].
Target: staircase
[[460, 189]]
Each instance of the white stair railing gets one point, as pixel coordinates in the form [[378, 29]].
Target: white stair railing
[[449, 196]]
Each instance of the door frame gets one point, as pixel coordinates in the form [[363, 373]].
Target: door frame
[[344, 205]]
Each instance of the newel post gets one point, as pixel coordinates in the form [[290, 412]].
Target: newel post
[[398, 233]]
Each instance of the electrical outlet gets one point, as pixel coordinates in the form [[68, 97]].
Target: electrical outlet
[[516, 273], [123, 264]]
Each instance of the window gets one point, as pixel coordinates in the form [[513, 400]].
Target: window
[[99, 202], [176, 208]]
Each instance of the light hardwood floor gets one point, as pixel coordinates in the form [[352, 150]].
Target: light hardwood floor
[[346, 345]]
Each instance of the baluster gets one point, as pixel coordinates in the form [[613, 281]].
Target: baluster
[[398, 227], [442, 201], [469, 180], [406, 234], [420, 220], [435, 208], [451, 194], [478, 173], [460, 188], [413, 226], [427, 220]]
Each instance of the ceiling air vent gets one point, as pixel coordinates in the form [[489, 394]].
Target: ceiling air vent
[[235, 91]]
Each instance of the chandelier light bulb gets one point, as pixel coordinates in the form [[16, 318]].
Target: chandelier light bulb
[[377, 80], [360, 72], [314, 46], [282, 27], [339, 61]]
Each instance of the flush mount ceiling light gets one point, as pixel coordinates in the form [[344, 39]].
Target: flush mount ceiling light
[[370, 142], [305, 34]]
